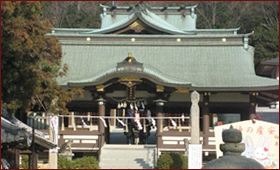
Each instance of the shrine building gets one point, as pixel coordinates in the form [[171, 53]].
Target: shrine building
[[150, 59]]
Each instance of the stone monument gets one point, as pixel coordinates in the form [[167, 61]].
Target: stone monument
[[195, 118], [232, 149]]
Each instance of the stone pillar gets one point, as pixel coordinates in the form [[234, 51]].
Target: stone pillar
[[195, 118], [206, 118], [252, 107], [101, 128], [53, 159]]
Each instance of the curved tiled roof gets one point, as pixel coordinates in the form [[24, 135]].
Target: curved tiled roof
[[12, 126], [145, 16], [219, 67]]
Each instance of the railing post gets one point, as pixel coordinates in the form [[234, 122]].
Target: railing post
[[180, 126], [90, 125], [73, 121], [62, 123]]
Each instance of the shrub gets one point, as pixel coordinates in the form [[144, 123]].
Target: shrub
[[172, 161], [64, 163], [164, 161], [80, 163], [87, 162]]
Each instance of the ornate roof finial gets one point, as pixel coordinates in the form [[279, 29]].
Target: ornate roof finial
[[130, 54]]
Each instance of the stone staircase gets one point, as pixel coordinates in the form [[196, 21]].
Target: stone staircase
[[128, 157]]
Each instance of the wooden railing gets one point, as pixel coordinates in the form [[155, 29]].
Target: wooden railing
[[89, 120]]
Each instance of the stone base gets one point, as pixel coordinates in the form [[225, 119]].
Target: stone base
[[66, 155]]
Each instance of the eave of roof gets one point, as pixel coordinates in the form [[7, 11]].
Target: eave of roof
[[99, 35], [274, 61], [153, 7], [15, 124]]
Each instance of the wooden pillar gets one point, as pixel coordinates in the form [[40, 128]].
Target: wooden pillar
[[206, 118], [252, 106], [16, 163], [113, 114], [159, 113], [29, 161], [101, 128], [36, 160]]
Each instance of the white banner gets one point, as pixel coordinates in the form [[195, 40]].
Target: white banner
[[194, 156], [54, 123], [261, 140]]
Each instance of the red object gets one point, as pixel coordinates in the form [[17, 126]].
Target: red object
[[220, 123]]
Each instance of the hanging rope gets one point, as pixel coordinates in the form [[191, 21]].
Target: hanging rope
[[153, 122], [174, 124], [84, 123], [105, 125], [121, 122]]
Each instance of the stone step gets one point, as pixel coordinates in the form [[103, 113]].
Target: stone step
[[131, 154], [122, 165], [128, 147], [127, 167], [126, 163], [127, 157]]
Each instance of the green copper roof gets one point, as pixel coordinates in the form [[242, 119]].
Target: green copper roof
[[147, 17], [223, 67]]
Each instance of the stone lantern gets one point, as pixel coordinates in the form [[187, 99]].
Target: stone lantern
[[232, 149]]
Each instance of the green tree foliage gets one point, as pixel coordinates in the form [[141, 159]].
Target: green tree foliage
[[266, 37], [30, 61], [172, 161], [86, 162], [24, 162]]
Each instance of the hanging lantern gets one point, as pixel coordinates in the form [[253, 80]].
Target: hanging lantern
[[131, 106], [119, 105], [124, 104]]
